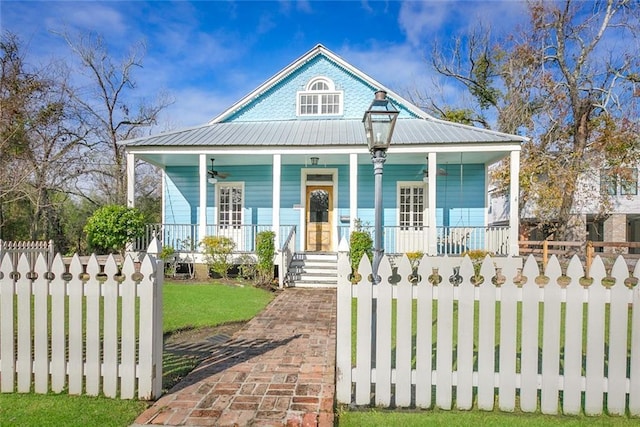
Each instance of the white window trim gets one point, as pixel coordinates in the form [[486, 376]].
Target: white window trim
[[237, 184], [425, 198], [331, 91]]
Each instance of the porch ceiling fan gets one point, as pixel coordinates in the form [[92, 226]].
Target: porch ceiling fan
[[214, 174]]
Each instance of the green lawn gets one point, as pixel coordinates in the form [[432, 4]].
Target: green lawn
[[184, 306], [196, 305], [381, 418]]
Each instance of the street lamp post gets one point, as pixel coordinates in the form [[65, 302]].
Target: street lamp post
[[379, 121]]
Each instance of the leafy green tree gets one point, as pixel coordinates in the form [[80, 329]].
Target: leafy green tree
[[112, 227]]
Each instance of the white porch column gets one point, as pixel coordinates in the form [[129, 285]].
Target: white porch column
[[131, 180], [202, 212], [432, 235], [514, 197], [275, 211], [353, 190]]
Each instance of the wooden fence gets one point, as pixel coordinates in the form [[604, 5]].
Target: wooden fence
[[543, 249], [85, 331], [29, 248], [560, 347]]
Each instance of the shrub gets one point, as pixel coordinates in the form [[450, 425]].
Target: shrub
[[414, 258], [217, 251], [167, 255], [247, 267], [476, 256], [360, 243], [112, 227], [265, 250]]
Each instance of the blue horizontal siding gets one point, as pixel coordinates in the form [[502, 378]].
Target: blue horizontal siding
[[182, 198], [460, 193], [279, 102]]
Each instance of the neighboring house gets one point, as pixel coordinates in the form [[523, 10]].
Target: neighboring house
[[622, 221], [607, 207], [292, 157]]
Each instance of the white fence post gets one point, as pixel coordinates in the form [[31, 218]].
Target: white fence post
[[23, 290], [40, 327], [343, 329], [424, 338], [7, 339], [634, 382], [363, 334], [466, 327], [58, 290]]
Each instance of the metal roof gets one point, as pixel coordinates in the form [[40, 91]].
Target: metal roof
[[319, 133]]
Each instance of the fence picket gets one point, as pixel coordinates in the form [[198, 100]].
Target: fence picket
[[383, 309], [487, 337], [57, 289], [363, 334], [150, 359], [529, 332], [75, 363], [466, 327], [128, 331], [572, 362], [403, 333], [40, 327], [7, 339], [444, 338], [634, 369], [23, 291], [92, 328], [424, 332], [595, 344], [551, 323], [110, 328], [343, 329], [508, 342], [618, 321]]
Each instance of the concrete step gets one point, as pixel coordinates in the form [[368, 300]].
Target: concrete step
[[313, 270]]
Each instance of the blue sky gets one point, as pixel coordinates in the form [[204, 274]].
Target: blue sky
[[209, 54]]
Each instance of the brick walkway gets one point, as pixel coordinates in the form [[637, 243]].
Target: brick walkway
[[278, 370]]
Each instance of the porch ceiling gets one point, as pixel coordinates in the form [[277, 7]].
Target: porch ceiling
[[325, 159]]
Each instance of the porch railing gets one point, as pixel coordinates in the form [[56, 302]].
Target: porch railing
[[287, 251], [184, 237], [450, 240]]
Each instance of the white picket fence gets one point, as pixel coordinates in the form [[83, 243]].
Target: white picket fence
[[86, 331], [552, 348]]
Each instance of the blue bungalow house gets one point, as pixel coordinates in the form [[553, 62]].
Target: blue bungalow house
[[292, 157]]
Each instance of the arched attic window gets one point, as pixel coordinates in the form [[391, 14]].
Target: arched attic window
[[320, 98]]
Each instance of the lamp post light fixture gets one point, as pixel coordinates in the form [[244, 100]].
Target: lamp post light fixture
[[379, 121]]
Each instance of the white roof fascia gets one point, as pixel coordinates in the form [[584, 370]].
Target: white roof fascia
[[438, 148], [317, 50]]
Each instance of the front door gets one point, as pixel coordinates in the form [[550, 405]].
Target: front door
[[319, 214]]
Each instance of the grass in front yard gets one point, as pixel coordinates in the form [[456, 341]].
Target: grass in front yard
[[185, 306], [382, 418], [195, 305], [64, 410]]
